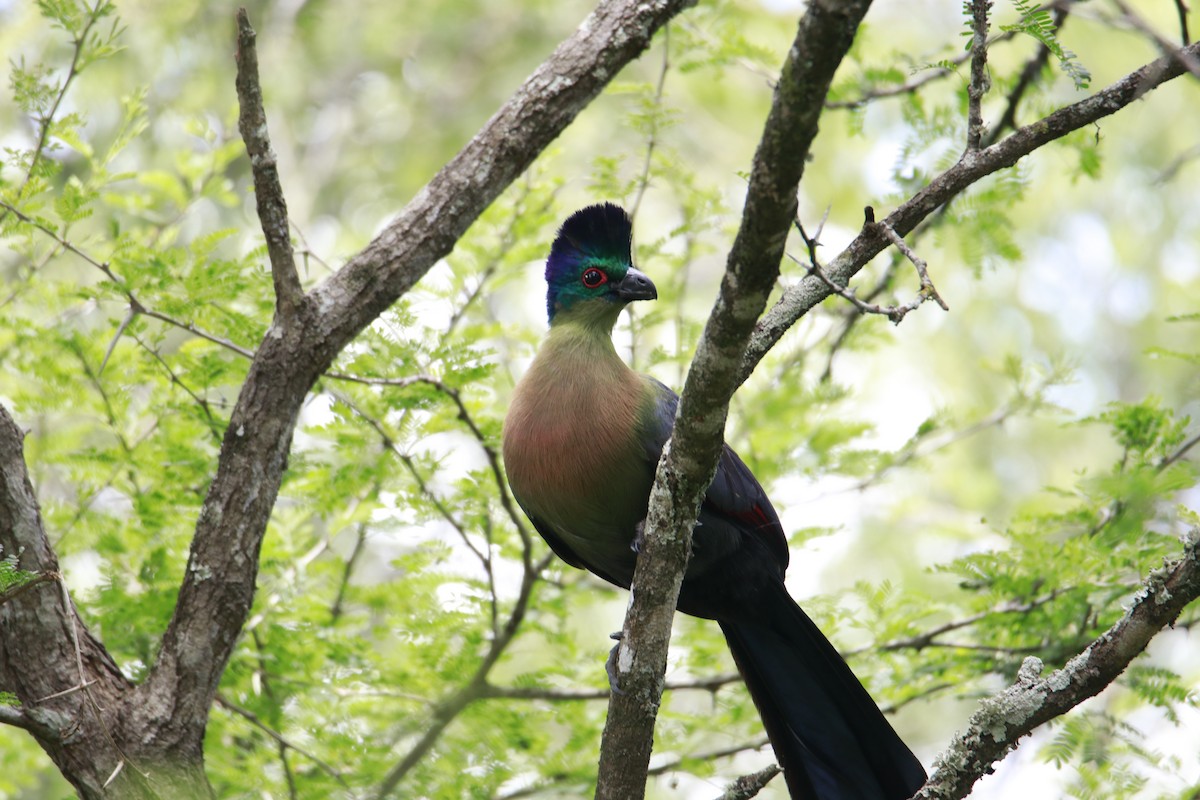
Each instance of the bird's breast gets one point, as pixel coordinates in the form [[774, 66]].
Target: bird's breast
[[572, 453]]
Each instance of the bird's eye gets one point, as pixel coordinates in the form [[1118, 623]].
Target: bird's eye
[[593, 278]]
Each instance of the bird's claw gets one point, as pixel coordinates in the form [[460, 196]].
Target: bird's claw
[[639, 537], [610, 664]]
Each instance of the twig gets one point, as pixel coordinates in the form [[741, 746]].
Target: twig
[[214, 427], [711, 684], [932, 73], [913, 449], [17, 591], [135, 304], [493, 457], [750, 785], [389, 444], [103, 266], [652, 137], [1181, 8], [272, 207], [72, 620], [1180, 453], [116, 338], [927, 639], [330, 770], [507, 238], [1189, 63], [928, 290], [980, 82], [894, 313], [335, 610]]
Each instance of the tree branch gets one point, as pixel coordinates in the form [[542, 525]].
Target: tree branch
[[799, 299], [1002, 720], [979, 84], [47, 654], [272, 207], [689, 458]]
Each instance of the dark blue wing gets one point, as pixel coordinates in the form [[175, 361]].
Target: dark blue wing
[[736, 515]]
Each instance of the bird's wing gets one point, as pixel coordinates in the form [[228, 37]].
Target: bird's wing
[[735, 506], [564, 551]]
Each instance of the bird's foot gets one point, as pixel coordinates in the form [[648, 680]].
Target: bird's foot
[[610, 665]]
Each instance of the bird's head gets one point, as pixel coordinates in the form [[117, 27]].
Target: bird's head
[[590, 273]]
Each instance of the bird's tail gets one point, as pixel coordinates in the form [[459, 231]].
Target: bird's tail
[[829, 736]]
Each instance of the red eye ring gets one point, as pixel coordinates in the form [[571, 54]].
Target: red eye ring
[[593, 277]]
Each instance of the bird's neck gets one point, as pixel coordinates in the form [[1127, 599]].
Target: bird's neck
[[582, 342]]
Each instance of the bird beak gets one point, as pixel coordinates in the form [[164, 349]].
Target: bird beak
[[636, 285]]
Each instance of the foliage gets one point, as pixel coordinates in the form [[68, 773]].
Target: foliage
[[1037, 22], [962, 491]]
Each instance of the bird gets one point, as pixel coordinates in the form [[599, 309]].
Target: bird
[[581, 441]]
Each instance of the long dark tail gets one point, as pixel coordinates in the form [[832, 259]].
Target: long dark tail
[[829, 736]]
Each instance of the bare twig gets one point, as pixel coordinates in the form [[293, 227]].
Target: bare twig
[[929, 637], [652, 137], [1181, 8], [894, 313], [116, 338], [980, 82], [750, 785], [1190, 63], [272, 207]]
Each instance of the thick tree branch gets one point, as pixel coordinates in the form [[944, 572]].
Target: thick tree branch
[[1033, 700], [218, 586], [799, 299], [689, 459], [70, 690], [272, 207]]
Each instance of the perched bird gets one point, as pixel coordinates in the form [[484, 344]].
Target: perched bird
[[581, 442]]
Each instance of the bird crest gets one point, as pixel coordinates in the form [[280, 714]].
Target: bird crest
[[599, 234]]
